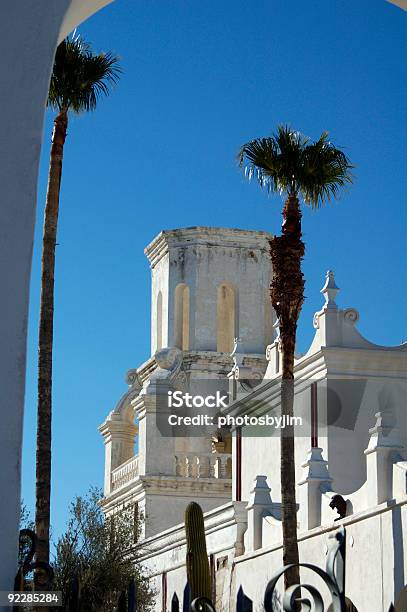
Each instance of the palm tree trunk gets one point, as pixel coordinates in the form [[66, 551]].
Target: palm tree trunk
[[287, 295], [45, 342]]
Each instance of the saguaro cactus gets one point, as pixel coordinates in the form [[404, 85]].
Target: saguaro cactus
[[198, 573]]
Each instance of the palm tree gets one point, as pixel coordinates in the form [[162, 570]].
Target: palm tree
[[288, 162], [79, 78]]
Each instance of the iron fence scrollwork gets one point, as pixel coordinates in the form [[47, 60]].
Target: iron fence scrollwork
[[28, 565], [333, 576], [202, 604]]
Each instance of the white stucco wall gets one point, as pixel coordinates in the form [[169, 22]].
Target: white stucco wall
[[376, 560], [78, 11], [204, 258], [343, 446], [166, 553], [30, 32]]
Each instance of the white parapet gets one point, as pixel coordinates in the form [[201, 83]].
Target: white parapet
[[204, 465], [125, 473]]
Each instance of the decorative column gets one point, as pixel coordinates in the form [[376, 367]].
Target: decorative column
[[119, 437], [327, 320], [382, 452], [259, 506], [119, 430], [316, 480], [156, 437], [335, 327]]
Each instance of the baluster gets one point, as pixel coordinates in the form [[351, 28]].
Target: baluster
[[194, 467], [188, 467], [204, 466], [178, 466], [212, 466]]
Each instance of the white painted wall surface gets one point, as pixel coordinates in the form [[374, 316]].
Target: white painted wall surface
[[376, 570], [77, 12], [205, 258], [30, 33]]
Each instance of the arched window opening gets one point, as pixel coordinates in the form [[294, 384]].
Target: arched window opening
[[226, 318], [182, 317], [159, 322]]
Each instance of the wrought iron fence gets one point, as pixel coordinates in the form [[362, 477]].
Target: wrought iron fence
[[333, 576], [293, 600], [28, 564]]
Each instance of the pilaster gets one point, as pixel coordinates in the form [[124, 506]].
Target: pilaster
[[316, 480], [119, 437]]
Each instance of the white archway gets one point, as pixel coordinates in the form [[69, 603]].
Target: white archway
[[30, 33]]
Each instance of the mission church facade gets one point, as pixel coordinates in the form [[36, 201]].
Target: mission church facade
[[213, 328]]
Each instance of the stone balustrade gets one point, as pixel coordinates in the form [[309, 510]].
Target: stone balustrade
[[204, 465], [126, 472]]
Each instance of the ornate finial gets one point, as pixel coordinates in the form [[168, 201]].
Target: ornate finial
[[315, 466], [260, 492], [330, 289], [385, 433]]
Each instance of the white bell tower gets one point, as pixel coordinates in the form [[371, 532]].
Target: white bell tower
[[209, 286]]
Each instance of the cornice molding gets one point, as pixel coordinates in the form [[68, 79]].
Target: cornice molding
[[206, 237], [227, 515]]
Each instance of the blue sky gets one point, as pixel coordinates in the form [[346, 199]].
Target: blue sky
[[200, 79]]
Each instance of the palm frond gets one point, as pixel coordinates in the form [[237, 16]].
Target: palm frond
[[261, 157], [325, 169], [289, 162], [80, 77]]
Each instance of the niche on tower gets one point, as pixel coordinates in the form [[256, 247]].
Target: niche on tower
[[182, 316], [159, 321], [226, 318]]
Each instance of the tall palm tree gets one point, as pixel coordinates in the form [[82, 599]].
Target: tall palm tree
[[79, 78], [288, 162]]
